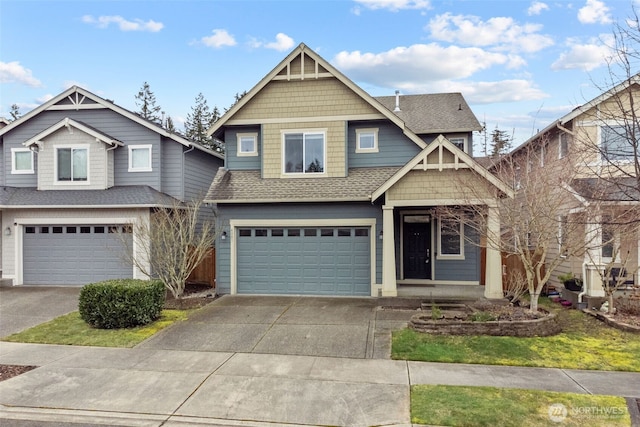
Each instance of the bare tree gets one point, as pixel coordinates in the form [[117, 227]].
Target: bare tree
[[533, 227], [172, 244]]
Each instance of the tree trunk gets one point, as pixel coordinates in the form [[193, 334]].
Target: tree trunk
[[534, 302], [610, 300]]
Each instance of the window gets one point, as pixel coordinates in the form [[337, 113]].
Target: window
[[72, 164], [247, 144], [618, 143], [563, 145], [21, 161], [367, 140], [245, 232], [304, 152], [450, 238], [293, 232], [608, 238], [459, 142], [277, 232], [139, 158]]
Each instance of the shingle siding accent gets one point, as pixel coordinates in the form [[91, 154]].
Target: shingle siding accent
[[447, 184]]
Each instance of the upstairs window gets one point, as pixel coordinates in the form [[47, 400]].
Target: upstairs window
[[21, 161], [618, 143], [304, 152], [459, 142], [139, 158], [247, 144], [367, 140], [563, 145], [72, 164]]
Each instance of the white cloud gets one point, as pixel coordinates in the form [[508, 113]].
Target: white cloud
[[417, 64], [499, 33], [536, 8], [594, 12], [123, 24], [283, 43], [583, 56], [514, 90], [220, 38], [13, 72], [393, 5]]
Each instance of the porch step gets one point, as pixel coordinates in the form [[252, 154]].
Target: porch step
[[442, 292], [6, 282]]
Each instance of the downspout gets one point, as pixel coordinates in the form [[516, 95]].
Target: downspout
[[564, 129], [106, 166], [584, 282]]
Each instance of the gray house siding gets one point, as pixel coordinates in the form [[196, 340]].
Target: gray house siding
[[199, 170], [394, 149], [236, 162], [172, 178], [468, 135], [293, 212], [467, 269]]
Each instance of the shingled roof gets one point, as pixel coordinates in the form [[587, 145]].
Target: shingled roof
[[248, 187], [125, 196], [433, 113]]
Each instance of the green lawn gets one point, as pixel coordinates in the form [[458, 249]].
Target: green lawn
[[70, 329], [585, 343], [493, 407]]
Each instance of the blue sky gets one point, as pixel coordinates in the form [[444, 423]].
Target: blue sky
[[519, 64]]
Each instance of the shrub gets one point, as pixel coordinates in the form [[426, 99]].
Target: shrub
[[482, 316], [121, 303]]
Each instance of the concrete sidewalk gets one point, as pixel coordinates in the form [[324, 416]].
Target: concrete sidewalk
[[151, 387]]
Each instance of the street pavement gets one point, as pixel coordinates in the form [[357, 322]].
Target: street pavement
[[167, 382]]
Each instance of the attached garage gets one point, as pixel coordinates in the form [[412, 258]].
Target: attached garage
[[304, 260], [75, 254]]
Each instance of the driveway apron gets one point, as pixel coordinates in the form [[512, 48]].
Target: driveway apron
[[311, 326]]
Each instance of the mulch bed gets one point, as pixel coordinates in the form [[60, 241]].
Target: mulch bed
[[9, 371], [195, 295]]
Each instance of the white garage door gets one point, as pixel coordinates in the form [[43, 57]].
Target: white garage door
[[75, 254], [304, 260]]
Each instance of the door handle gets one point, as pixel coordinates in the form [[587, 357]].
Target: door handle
[[426, 261]]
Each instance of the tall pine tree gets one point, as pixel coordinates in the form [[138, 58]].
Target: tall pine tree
[[199, 121], [15, 112], [146, 102], [500, 142]]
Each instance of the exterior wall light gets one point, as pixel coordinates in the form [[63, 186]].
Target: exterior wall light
[[223, 236], [380, 235], [7, 231]]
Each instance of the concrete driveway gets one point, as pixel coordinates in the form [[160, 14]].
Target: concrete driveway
[[22, 307], [310, 326]]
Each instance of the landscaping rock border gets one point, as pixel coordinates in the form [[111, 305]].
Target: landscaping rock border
[[542, 327], [612, 321]]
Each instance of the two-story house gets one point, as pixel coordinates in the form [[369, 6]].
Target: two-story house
[[76, 175], [327, 190], [597, 224]]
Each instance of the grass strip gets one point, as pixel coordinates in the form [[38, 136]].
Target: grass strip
[[495, 407], [585, 343], [70, 329]]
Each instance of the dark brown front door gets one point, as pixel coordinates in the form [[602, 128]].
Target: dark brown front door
[[417, 250]]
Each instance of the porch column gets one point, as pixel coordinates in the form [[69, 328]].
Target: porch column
[[389, 288], [593, 256], [493, 270]]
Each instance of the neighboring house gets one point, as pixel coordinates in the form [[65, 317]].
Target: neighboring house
[[3, 122], [77, 173], [597, 145], [327, 190]]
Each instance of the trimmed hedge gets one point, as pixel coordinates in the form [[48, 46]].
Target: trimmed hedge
[[121, 303]]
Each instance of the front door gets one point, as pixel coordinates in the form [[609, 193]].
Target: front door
[[416, 248]]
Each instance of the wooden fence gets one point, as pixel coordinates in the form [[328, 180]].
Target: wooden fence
[[205, 272], [513, 264]]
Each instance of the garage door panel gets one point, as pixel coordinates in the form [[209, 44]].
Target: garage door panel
[[314, 261], [73, 255]]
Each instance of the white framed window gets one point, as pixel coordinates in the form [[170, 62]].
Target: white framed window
[[140, 158], [21, 161], [460, 142], [367, 140], [617, 143], [72, 164], [247, 144], [563, 145], [304, 152], [450, 238]]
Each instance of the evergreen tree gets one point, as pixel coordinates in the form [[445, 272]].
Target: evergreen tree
[[237, 98], [15, 112], [146, 102], [199, 121], [500, 142], [169, 125]]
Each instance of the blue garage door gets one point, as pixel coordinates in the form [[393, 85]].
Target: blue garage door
[[75, 254], [304, 261]]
